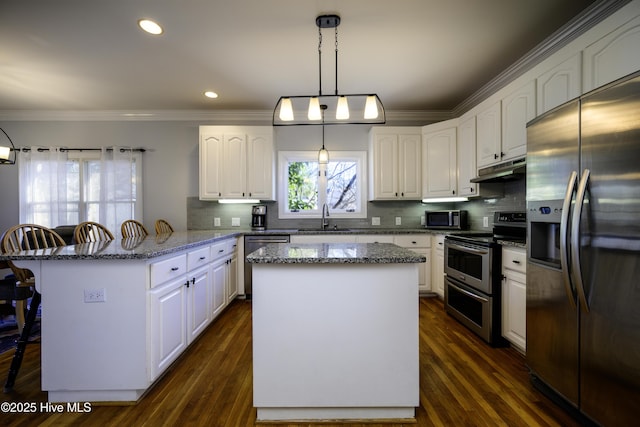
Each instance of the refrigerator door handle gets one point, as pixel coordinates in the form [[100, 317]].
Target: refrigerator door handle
[[564, 236], [575, 238]]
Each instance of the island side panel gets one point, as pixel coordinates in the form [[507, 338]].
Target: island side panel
[[98, 346], [335, 335]]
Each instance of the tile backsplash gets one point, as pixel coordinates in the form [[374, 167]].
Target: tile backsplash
[[201, 214]]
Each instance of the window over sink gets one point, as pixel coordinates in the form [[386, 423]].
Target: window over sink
[[305, 185]]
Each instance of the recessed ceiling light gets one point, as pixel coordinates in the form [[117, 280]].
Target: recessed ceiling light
[[210, 94], [150, 26]]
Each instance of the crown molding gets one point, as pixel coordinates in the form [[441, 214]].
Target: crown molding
[[580, 24], [217, 117]]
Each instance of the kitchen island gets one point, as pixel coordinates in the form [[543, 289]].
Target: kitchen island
[[115, 315], [335, 331]]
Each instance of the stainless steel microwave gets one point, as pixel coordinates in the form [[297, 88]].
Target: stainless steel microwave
[[446, 220]]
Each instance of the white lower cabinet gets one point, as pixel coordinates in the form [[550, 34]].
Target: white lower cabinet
[[437, 248], [187, 292], [421, 244], [514, 297], [168, 324]]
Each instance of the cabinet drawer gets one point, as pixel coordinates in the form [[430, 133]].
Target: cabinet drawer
[[162, 271], [438, 242], [198, 257], [413, 241], [219, 250], [232, 245], [374, 238], [514, 259]]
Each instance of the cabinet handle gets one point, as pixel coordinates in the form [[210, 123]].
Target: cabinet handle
[[440, 243], [453, 192], [515, 261], [202, 258], [175, 268], [414, 242], [402, 194], [495, 156], [220, 251], [186, 283], [193, 280], [502, 154]]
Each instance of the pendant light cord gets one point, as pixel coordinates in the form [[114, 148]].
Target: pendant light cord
[[319, 61], [336, 39]]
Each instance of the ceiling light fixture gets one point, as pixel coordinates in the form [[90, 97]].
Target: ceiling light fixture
[[150, 26], [7, 151], [210, 94], [340, 108]]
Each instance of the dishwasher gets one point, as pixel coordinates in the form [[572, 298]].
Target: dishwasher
[[251, 244]]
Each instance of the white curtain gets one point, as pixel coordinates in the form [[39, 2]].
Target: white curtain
[[43, 186], [119, 168]]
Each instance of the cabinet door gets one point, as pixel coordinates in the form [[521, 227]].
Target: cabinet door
[[232, 282], [514, 300], [466, 157], [409, 167], [210, 166], [440, 163], [234, 166], [198, 302], [613, 56], [168, 326], [518, 108], [385, 167], [488, 135], [437, 270], [260, 167], [558, 85], [219, 286]]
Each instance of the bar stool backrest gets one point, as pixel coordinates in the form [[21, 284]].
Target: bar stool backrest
[[91, 232], [133, 228], [163, 227]]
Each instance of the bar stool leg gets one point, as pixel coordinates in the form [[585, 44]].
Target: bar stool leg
[[22, 342]]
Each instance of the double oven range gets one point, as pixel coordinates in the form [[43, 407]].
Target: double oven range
[[473, 275]]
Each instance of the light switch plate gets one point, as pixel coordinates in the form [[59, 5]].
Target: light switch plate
[[95, 295], [398, 220], [216, 222], [422, 220], [485, 221], [235, 222], [375, 220]]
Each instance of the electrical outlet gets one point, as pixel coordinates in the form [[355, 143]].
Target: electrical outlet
[[95, 295], [235, 222], [485, 221], [216, 222], [398, 220], [375, 220]]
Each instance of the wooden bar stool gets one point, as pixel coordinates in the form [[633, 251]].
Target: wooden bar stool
[[163, 227], [18, 238], [88, 231], [133, 228]]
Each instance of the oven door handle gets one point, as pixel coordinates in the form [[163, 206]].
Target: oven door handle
[[466, 248], [467, 293]]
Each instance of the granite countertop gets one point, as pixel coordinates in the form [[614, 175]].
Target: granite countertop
[[512, 244], [133, 248], [334, 253], [331, 231]]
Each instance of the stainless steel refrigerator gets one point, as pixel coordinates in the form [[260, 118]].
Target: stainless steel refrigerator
[[583, 253]]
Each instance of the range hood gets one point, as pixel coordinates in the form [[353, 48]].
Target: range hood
[[510, 170]]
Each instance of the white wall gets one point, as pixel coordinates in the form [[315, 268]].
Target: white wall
[[170, 162]]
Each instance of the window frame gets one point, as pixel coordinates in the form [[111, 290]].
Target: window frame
[[284, 157]]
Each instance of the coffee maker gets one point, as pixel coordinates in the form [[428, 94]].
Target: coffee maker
[[258, 217]]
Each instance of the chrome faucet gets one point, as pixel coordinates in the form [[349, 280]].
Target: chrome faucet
[[325, 214]]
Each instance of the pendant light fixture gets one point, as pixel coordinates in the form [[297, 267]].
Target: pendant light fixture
[[340, 108], [8, 151]]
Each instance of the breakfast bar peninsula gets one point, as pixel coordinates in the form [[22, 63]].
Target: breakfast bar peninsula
[[335, 331]]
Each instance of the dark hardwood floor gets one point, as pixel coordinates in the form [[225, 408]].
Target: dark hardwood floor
[[463, 382]]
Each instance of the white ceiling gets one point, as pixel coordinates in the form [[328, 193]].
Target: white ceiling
[[415, 54]]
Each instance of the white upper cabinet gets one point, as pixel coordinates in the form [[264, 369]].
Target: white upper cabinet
[[236, 162], [613, 56], [395, 163], [439, 159], [488, 135], [518, 108], [466, 156], [559, 84]]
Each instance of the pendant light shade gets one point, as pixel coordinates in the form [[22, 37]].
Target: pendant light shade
[[314, 109], [7, 150], [340, 108], [286, 110], [323, 154]]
